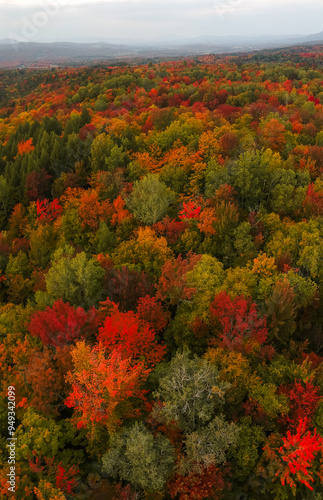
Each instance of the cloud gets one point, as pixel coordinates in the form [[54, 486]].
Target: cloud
[[157, 18]]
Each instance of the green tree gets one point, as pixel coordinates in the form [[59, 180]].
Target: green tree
[[105, 154], [190, 391], [43, 240], [288, 194], [147, 252], [5, 201], [71, 229], [48, 438], [246, 454], [207, 277], [135, 455], [18, 265], [243, 243], [252, 177], [208, 446], [105, 240], [77, 280], [150, 199]]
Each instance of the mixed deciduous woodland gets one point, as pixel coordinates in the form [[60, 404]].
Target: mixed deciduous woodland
[[161, 278]]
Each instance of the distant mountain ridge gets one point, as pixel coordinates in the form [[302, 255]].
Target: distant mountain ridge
[[175, 40], [14, 53], [315, 36], [7, 41]]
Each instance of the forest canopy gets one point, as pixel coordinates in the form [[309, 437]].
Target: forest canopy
[[161, 278]]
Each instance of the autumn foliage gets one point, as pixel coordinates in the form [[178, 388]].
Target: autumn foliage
[[25, 146], [198, 486], [240, 326], [48, 211], [63, 324], [296, 456], [105, 387], [64, 480], [131, 335], [173, 284], [161, 277]]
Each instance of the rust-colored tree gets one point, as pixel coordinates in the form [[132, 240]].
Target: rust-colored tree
[[44, 374], [38, 185], [149, 309], [208, 484], [172, 284]]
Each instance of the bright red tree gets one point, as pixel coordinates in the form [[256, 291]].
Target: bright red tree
[[303, 401], [63, 324], [239, 323], [190, 211], [48, 210], [298, 453], [133, 337]]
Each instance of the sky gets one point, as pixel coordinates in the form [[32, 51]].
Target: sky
[[95, 20]]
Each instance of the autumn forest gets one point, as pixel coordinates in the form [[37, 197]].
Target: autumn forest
[[161, 279]]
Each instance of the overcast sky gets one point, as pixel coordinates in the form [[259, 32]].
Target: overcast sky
[[47, 20]]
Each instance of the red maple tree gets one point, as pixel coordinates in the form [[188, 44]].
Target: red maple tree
[[298, 452], [63, 324], [63, 478], [190, 211], [48, 210], [303, 401], [133, 337], [239, 323], [172, 284]]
